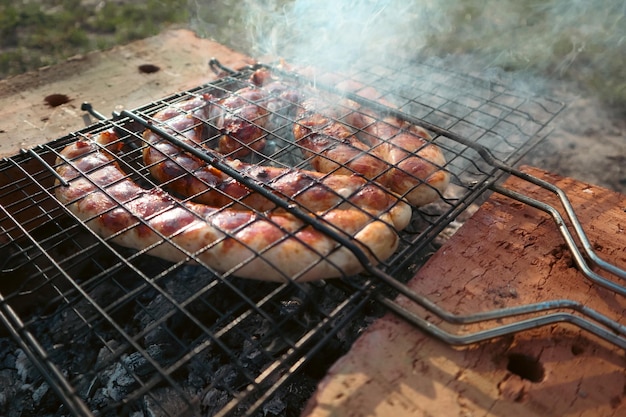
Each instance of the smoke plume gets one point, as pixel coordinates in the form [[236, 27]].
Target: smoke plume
[[577, 40]]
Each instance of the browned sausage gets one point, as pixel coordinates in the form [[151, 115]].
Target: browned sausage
[[273, 246], [348, 138], [191, 177]]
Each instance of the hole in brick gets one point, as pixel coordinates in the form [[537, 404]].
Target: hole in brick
[[615, 401], [148, 68], [54, 100], [526, 367], [577, 350]]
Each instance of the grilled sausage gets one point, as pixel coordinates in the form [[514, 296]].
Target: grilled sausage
[[386, 149], [192, 177], [416, 164], [240, 118], [331, 146], [244, 118], [397, 155], [274, 246]]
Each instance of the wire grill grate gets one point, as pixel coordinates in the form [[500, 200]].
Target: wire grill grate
[[116, 332]]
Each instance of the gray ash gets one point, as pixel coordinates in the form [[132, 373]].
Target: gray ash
[[184, 340]]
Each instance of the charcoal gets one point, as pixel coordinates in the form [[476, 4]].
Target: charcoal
[[274, 407], [105, 354], [252, 356], [161, 309], [22, 389], [214, 374], [291, 306], [165, 402], [8, 354], [158, 307], [200, 370], [121, 378], [8, 389], [213, 401], [23, 366], [226, 377]]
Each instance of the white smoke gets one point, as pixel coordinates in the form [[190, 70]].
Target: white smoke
[[580, 40], [324, 31], [343, 33]]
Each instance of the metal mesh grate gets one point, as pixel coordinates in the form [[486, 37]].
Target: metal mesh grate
[[114, 331]]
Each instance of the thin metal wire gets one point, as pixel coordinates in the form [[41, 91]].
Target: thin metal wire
[[35, 352], [56, 376], [35, 155], [512, 311], [490, 159], [377, 283], [391, 281]]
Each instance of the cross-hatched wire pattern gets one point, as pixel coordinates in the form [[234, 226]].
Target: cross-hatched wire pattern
[[115, 331]]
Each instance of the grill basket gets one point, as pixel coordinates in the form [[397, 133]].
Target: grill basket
[[111, 331]]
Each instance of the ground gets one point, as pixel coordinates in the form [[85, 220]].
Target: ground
[[588, 143]]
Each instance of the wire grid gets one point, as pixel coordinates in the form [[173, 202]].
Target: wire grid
[[117, 332]]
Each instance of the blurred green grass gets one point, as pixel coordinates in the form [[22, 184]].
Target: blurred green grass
[[39, 33], [580, 41]]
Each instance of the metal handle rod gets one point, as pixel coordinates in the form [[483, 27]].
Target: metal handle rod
[[516, 327], [89, 109], [580, 233], [292, 208], [487, 156], [569, 240], [499, 313], [357, 251], [567, 205]]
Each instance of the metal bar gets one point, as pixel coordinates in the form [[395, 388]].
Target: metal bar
[[580, 233], [569, 240], [487, 157], [217, 66], [498, 313], [495, 314], [89, 109], [35, 352], [515, 327], [216, 162], [46, 165]]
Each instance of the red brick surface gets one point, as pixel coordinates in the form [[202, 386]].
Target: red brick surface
[[507, 254]]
